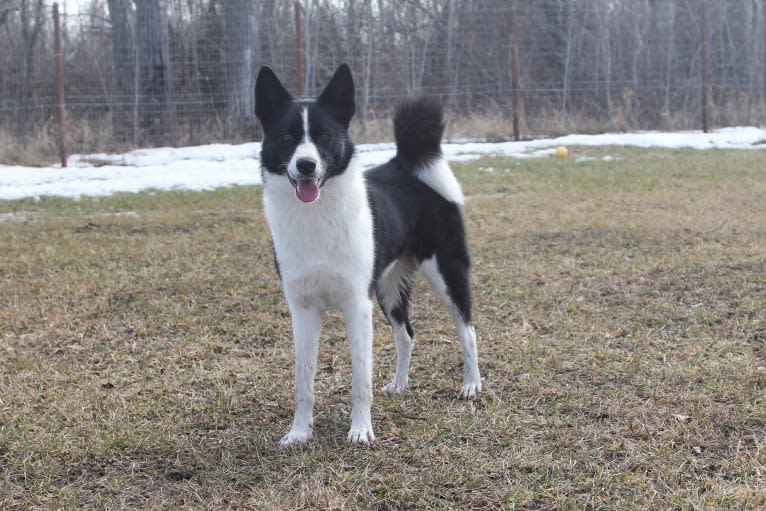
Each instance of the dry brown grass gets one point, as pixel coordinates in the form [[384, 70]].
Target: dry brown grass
[[146, 360], [36, 150]]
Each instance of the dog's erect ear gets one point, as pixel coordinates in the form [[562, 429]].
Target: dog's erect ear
[[270, 95], [338, 96]]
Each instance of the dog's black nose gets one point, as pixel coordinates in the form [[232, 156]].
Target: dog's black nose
[[306, 166]]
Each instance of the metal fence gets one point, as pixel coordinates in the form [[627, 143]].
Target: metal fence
[[154, 72]]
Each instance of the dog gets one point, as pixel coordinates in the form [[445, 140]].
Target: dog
[[341, 235]]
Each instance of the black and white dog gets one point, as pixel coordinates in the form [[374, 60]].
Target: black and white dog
[[341, 234]]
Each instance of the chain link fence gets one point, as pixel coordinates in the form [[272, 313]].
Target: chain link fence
[[171, 72]]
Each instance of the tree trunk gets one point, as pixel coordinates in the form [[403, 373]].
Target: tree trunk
[[669, 53], [605, 43], [753, 48], [451, 73], [352, 34], [123, 61], [241, 52], [567, 63], [367, 65], [153, 70], [31, 18]]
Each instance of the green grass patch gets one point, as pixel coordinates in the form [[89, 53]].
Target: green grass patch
[[146, 359]]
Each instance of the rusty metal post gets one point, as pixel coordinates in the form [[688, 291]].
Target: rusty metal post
[[60, 86], [299, 51]]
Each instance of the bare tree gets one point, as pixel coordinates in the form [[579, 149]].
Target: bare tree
[[241, 59], [367, 60], [152, 70], [123, 63], [603, 12], [669, 54], [6, 8], [570, 17], [32, 17], [353, 41], [754, 41]]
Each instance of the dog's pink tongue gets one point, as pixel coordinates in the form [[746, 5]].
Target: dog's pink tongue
[[307, 189]]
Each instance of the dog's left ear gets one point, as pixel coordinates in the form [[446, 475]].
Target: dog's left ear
[[338, 96]]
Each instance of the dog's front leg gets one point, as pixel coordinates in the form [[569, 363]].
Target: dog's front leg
[[358, 318], [307, 325]]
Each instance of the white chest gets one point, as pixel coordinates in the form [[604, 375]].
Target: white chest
[[325, 250]]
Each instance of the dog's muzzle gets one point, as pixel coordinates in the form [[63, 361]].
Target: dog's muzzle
[[306, 183]]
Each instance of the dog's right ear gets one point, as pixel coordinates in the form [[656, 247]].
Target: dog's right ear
[[338, 95], [270, 95]]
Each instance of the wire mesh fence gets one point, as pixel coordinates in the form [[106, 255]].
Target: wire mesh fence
[[172, 72]]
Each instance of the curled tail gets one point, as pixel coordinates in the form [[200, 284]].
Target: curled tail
[[418, 130]]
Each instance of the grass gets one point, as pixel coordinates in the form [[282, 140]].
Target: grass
[[145, 358]]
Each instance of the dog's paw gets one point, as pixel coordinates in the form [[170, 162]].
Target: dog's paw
[[395, 387], [295, 438], [470, 390], [361, 436]]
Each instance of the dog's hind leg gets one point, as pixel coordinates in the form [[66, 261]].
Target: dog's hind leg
[[394, 297], [307, 325], [403, 338], [448, 277]]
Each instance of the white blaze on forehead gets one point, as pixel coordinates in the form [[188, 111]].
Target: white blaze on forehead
[[306, 149], [305, 117]]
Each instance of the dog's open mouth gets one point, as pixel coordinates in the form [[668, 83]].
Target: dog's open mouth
[[307, 190]]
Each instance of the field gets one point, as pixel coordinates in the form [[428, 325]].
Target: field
[[146, 359]]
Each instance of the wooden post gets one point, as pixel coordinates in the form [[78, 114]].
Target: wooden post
[[60, 86], [705, 58], [514, 73], [299, 51]]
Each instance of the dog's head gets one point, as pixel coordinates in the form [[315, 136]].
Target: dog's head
[[306, 141]]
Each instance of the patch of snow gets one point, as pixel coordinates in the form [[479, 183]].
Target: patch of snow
[[220, 165]]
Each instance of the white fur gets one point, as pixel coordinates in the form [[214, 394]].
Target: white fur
[[307, 324], [357, 314], [404, 344], [465, 331], [305, 119], [439, 177], [325, 249], [325, 252]]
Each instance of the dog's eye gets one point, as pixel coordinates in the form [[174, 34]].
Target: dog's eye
[[287, 137], [324, 137]]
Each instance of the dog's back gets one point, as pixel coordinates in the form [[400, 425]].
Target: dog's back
[[415, 197]]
